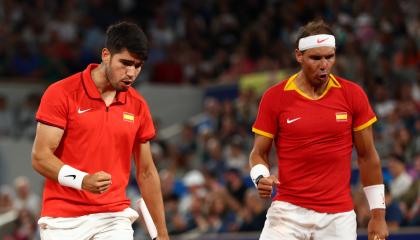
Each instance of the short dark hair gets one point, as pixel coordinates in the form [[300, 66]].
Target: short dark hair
[[127, 35], [313, 28]]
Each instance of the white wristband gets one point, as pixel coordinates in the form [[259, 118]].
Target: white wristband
[[258, 170], [71, 177], [375, 194]]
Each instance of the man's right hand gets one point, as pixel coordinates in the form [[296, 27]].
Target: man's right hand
[[265, 186], [97, 183]]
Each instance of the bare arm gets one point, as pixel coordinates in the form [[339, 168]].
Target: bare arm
[[260, 151], [46, 142], [371, 174], [367, 157], [47, 164], [149, 183], [259, 155]]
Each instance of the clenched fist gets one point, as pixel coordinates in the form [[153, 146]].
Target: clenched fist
[[97, 183], [265, 186]]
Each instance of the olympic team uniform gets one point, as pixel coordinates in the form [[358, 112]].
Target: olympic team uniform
[[96, 138], [313, 140]]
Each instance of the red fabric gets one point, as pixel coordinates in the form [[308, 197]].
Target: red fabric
[[96, 138], [313, 140]]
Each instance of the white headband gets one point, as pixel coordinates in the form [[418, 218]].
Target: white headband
[[314, 41]]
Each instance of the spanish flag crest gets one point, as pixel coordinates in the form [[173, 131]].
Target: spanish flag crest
[[129, 117], [341, 116]]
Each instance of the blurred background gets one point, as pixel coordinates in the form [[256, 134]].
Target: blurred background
[[209, 63]]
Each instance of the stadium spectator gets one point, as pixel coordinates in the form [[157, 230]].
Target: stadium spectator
[[25, 198], [394, 216], [401, 180]]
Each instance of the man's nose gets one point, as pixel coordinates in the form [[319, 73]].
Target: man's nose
[[323, 63], [131, 71]]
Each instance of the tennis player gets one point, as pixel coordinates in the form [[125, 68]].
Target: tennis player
[[90, 124], [314, 119]]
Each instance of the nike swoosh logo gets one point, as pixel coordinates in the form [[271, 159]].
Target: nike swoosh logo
[[321, 40], [73, 176], [292, 120], [82, 111]]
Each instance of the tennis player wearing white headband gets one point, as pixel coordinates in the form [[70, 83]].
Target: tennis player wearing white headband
[[314, 119]]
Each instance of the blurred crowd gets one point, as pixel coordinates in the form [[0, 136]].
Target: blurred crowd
[[204, 172], [23, 205]]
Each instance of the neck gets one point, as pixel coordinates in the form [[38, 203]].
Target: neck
[[312, 90], [101, 81]]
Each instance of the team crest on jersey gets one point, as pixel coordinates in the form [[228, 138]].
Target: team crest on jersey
[[129, 117], [341, 116]]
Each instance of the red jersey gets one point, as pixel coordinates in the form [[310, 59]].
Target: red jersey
[[96, 138], [313, 140]]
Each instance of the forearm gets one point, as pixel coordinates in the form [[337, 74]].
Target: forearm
[[371, 177], [370, 169], [258, 158], [151, 192], [46, 163]]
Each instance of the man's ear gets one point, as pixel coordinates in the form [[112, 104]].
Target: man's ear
[[299, 56], [106, 55]]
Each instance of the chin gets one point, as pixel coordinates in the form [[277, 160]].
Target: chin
[[123, 89]]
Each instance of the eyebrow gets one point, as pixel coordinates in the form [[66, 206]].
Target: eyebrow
[[321, 56], [131, 63]]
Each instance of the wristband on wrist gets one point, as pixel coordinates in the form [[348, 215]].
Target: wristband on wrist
[[375, 194], [257, 172], [71, 177]]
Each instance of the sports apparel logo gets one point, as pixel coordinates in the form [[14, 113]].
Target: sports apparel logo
[[292, 120], [321, 40], [82, 111], [72, 175]]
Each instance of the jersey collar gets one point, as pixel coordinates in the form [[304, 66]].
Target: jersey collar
[[90, 86], [290, 85]]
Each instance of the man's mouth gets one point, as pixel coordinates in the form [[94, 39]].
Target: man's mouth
[[323, 76], [127, 82]]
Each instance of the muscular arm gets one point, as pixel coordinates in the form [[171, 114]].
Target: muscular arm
[[371, 174], [259, 155], [367, 157], [47, 164], [149, 183], [46, 142], [260, 151]]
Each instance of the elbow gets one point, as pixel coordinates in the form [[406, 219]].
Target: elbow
[[251, 158], [371, 160], [36, 160], [256, 157]]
